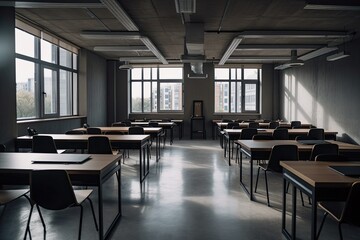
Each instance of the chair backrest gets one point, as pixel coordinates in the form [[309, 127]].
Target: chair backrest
[[51, 189], [231, 125], [282, 153], [136, 130], [304, 137], [295, 124], [74, 132], [43, 144], [254, 125], [331, 158], [248, 133], [273, 125], [127, 123], [93, 130], [262, 137], [351, 212], [226, 120], [153, 124], [99, 145], [317, 133], [281, 134], [324, 148], [119, 124], [166, 120], [2, 148]]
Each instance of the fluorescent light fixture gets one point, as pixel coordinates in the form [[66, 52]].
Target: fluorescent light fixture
[[258, 58], [119, 13], [293, 34], [154, 50], [139, 59], [111, 35], [332, 7], [68, 4], [233, 45], [317, 53], [338, 56], [120, 48], [185, 6], [256, 47]]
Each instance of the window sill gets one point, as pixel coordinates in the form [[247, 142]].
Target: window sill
[[49, 119]]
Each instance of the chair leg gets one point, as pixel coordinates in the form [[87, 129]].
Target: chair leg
[[257, 179], [321, 225], [302, 199], [267, 189], [28, 222], [340, 232], [41, 217], [93, 213], [80, 224]]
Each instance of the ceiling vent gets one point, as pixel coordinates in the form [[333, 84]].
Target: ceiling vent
[[294, 62], [185, 6]]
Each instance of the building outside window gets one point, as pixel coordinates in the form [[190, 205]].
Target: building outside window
[[156, 90], [237, 90], [46, 75]]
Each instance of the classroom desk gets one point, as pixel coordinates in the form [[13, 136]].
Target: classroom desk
[[234, 134], [319, 182], [94, 172], [68, 141], [153, 131], [164, 125], [260, 149]]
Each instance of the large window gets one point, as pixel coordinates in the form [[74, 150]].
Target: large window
[[237, 90], [46, 77], [156, 90]]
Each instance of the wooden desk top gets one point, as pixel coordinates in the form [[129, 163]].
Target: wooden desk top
[[318, 174], [264, 125], [266, 145], [160, 123], [122, 129], [84, 137], [296, 131], [19, 162]]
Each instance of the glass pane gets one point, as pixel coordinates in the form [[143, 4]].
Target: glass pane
[[221, 97], [48, 51], [233, 73], [136, 73], [65, 93], [233, 97], [221, 73], [239, 95], [147, 97], [171, 96], [65, 58], [238, 73], [146, 73], [154, 96], [50, 91], [75, 94], [250, 97], [154, 73], [170, 73], [136, 97], [250, 74], [25, 89], [75, 57], [24, 43]]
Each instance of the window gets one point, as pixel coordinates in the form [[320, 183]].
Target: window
[[237, 90], [156, 90], [46, 78]]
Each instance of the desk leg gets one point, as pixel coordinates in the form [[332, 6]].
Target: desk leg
[[171, 135], [229, 151], [313, 215], [101, 217], [283, 219], [293, 222], [157, 147], [251, 179], [141, 164]]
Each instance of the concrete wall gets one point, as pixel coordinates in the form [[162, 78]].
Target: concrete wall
[[325, 94]]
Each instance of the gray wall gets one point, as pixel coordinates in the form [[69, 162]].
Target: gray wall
[[325, 94]]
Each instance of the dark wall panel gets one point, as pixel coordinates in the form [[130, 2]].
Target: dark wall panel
[[325, 94]]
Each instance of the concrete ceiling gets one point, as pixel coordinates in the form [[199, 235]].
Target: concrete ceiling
[[284, 24]]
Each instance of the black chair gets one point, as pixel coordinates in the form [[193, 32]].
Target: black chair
[[317, 133], [273, 125], [43, 144], [246, 134], [99, 145], [281, 134], [127, 123], [304, 137], [324, 148], [254, 125], [226, 120], [75, 132], [295, 124], [231, 125], [93, 130], [10, 195], [119, 124], [163, 134], [136, 130], [2, 148], [278, 153], [262, 137], [331, 158], [52, 190], [343, 212]]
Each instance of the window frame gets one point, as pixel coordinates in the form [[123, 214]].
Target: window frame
[[244, 83]]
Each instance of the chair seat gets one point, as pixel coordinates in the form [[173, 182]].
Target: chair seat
[[81, 195], [333, 208], [7, 196]]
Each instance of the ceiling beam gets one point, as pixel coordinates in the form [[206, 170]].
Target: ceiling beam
[[53, 4], [294, 34], [120, 48], [277, 46], [110, 35]]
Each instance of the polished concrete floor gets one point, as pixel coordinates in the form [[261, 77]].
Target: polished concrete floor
[[191, 193]]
